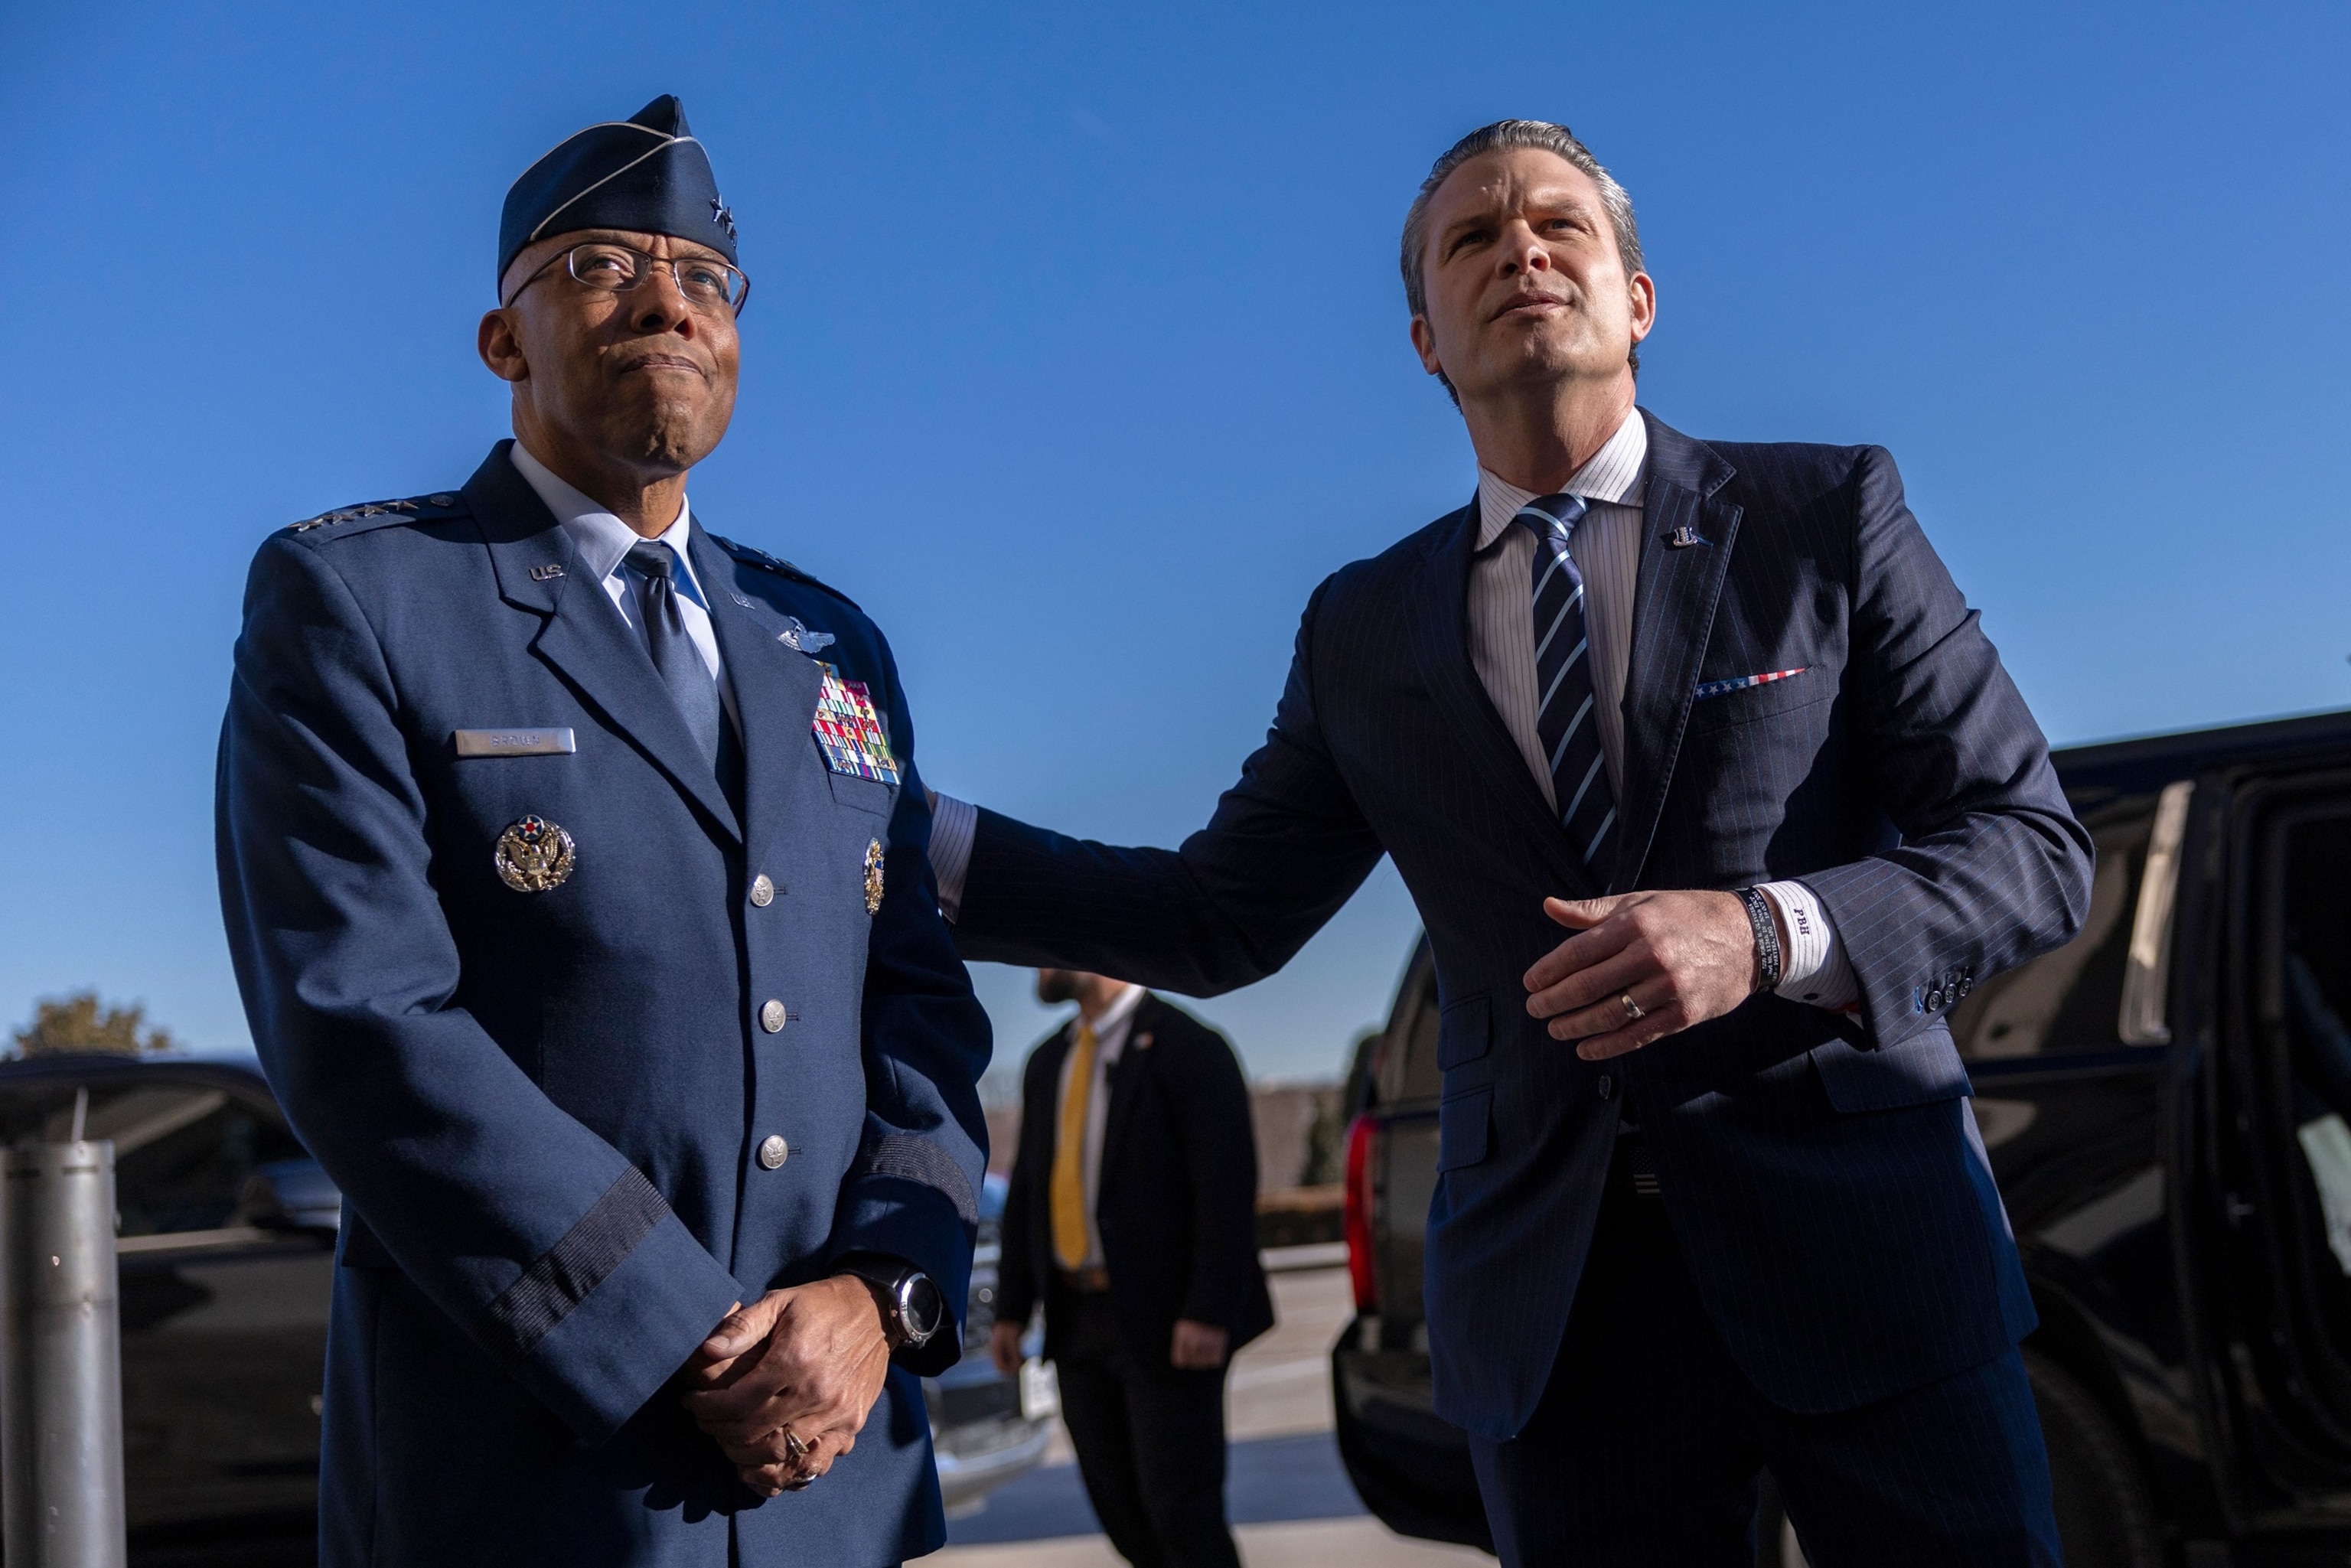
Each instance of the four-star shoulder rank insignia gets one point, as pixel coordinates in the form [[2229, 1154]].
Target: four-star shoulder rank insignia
[[352, 514]]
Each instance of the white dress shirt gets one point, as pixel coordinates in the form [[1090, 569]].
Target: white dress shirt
[[1606, 546], [1109, 1041], [603, 541]]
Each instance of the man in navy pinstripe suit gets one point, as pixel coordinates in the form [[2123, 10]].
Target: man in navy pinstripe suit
[[1711, 1196]]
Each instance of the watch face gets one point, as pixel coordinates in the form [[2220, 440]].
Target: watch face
[[923, 1306]]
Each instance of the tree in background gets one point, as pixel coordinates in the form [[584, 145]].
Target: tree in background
[[77, 1024]]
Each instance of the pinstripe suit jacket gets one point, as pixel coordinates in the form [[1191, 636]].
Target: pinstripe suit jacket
[[1821, 1172]]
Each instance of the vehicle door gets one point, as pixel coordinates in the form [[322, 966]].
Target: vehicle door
[[2277, 1150], [2069, 1057], [224, 1321]]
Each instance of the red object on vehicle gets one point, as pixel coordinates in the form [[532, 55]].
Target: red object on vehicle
[[1362, 1165]]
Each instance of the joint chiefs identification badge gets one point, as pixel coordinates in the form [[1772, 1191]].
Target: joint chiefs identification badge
[[873, 877], [535, 856]]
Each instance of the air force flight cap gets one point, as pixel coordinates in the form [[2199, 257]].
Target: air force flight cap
[[646, 172]]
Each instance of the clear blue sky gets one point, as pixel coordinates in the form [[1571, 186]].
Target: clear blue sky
[[1077, 354]]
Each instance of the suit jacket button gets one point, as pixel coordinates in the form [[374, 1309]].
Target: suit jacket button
[[771, 1017], [763, 891], [1605, 1087], [774, 1151]]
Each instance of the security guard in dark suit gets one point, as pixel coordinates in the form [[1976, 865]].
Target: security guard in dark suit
[[1132, 1219], [572, 861]]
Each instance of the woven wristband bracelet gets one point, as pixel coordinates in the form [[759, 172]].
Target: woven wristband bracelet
[[1767, 938]]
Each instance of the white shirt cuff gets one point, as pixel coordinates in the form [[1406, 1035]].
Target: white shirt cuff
[[1812, 964], [954, 824]]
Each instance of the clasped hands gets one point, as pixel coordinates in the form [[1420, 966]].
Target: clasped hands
[[1683, 957], [808, 1361]]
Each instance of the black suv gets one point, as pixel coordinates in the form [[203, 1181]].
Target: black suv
[[226, 1234], [2165, 1100]]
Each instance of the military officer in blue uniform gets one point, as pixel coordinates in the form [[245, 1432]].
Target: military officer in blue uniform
[[573, 865]]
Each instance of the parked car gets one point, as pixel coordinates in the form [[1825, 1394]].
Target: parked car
[[227, 1232], [2165, 1102]]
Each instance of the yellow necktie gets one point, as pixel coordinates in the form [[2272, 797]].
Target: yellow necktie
[[1069, 1187]]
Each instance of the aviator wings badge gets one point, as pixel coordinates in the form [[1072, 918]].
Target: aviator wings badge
[[802, 638]]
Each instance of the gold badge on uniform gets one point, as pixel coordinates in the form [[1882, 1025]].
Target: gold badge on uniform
[[873, 877], [534, 855]]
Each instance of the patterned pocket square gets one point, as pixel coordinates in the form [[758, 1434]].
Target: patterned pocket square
[[1706, 689]]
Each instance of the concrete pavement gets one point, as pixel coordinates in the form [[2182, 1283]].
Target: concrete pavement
[[1278, 1403]]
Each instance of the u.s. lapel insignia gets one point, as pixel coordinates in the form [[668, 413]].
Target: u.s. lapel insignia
[[850, 732], [535, 856], [873, 877]]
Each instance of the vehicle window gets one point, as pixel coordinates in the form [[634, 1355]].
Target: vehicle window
[[2070, 1000], [181, 1150]]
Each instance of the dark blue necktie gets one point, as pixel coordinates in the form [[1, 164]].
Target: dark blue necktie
[[678, 661], [1564, 700]]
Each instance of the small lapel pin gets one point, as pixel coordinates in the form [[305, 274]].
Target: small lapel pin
[[1143, 1041], [541, 573], [1683, 536]]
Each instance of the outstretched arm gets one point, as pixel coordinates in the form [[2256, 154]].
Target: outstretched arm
[[1285, 849]]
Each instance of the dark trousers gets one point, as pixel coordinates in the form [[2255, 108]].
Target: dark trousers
[[1150, 1441], [1648, 1443]]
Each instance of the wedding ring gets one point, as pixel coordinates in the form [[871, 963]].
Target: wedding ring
[[794, 1447], [1632, 1007]]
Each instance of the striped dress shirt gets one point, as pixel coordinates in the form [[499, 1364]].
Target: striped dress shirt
[[1607, 546]]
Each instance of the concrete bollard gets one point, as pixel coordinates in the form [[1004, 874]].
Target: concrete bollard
[[61, 1373]]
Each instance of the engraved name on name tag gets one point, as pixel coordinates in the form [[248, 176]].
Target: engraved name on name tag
[[514, 742]]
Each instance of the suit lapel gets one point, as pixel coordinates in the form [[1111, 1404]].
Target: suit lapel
[[1476, 735], [776, 693], [1673, 615], [585, 639]]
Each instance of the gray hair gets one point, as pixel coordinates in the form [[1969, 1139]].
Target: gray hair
[[1501, 135]]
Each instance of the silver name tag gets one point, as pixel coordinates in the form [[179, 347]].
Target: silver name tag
[[514, 742]]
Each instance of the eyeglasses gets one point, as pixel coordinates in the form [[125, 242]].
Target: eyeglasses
[[708, 285]]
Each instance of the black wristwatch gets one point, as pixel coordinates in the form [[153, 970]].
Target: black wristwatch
[[1768, 959], [912, 1307]]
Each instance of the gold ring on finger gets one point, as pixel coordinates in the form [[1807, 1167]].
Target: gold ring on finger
[[794, 1447], [1631, 1008]]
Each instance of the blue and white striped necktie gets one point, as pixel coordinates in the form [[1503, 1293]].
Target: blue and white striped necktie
[[1563, 717]]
